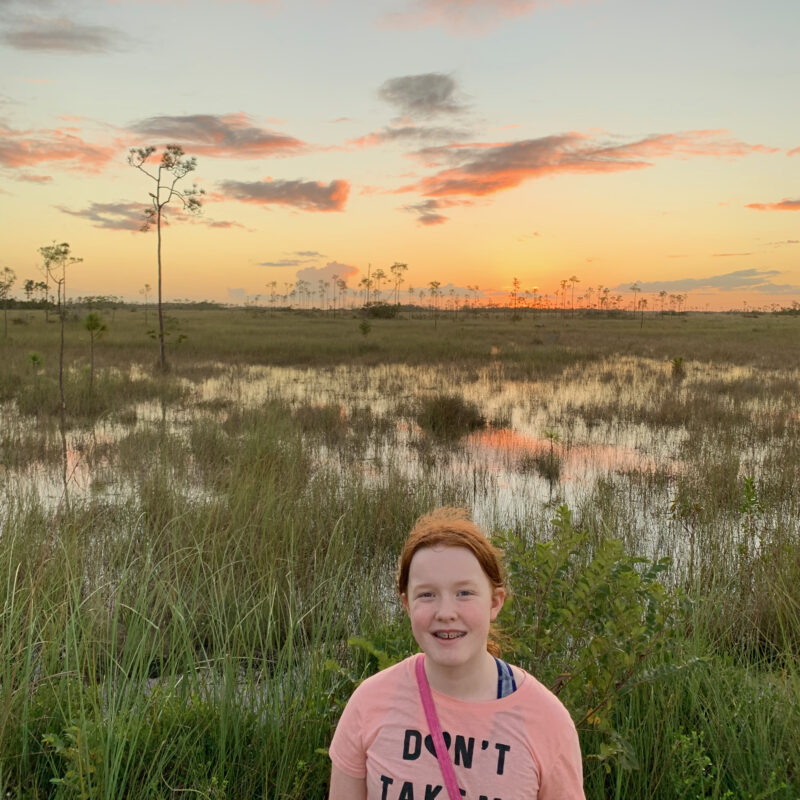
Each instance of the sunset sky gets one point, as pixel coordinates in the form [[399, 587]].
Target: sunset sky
[[618, 141]]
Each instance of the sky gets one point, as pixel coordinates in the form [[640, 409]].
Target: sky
[[619, 142]]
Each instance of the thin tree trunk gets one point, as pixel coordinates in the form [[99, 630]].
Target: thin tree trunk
[[63, 415], [162, 355]]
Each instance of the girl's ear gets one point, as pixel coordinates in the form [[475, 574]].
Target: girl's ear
[[404, 601], [498, 598]]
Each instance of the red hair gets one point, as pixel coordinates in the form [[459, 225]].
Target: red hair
[[452, 527]]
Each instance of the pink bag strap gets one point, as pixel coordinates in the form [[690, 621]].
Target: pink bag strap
[[445, 764]]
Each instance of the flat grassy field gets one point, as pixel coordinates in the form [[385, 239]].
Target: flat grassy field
[[196, 566]]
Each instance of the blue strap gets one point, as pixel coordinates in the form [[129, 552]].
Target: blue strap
[[506, 684]]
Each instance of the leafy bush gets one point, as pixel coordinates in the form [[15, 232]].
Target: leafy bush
[[590, 624], [381, 311]]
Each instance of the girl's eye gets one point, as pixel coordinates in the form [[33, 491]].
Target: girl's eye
[[425, 594], [465, 592]]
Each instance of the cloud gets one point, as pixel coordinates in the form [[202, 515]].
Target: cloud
[[298, 257], [62, 35], [417, 133], [752, 280], [111, 216], [283, 262], [230, 135], [30, 177], [783, 205], [219, 223], [326, 273], [729, 255], [485, 168], [305, 195], [427, 212], [794, 152], [423, 96], [461, 16], [27, 148]]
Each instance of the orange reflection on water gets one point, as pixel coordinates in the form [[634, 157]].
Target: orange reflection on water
[[508, 444]]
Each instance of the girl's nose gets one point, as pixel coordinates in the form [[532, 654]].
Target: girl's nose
[[445, 609]]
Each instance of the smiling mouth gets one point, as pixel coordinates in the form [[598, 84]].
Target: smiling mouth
[[446, 635]]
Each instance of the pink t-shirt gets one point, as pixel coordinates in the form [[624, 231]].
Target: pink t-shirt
[[521, 747]]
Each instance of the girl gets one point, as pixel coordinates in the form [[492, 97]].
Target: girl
[[502, 735]]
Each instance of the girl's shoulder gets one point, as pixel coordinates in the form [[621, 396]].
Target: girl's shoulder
[[387, 680], [534, 694]]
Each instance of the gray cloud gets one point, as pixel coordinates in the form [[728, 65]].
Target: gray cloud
[[415, 133], [30, 177], [62, 35], [326, 273], [426, 95], [284, 262], [305, 195], [427, 212], [752, 280], [299, 257], [112, 216], [231, 135]]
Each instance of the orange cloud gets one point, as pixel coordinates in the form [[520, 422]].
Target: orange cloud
[[28, 148], [479, 169], [230, 135], [783, 205], [794, 152]]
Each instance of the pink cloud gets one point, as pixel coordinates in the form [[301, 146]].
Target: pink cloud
[[783, 205], [28, 148], [462, 16], [794, 152], [481, 169]]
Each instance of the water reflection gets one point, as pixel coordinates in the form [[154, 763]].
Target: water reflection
[[588, 421]]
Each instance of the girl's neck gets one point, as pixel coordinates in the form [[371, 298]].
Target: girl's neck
[[471, 682]]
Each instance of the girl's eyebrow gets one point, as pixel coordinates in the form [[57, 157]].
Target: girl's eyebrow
[[467, 582]]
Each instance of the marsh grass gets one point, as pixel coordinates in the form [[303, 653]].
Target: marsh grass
[[184, 629], [448, 416]]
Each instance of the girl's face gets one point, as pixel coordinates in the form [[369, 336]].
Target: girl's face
[[450, 603]]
